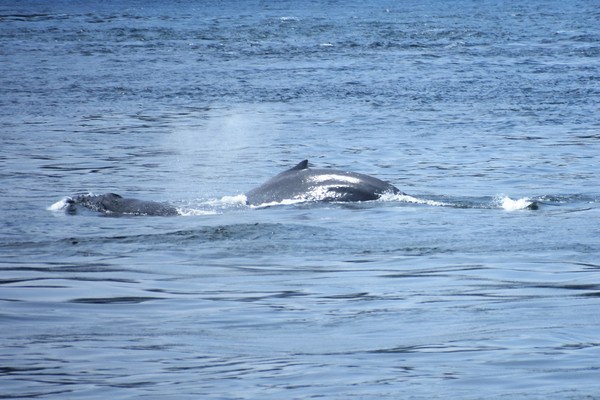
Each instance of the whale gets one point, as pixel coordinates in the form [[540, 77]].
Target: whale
[[302, 183], [114, 204]]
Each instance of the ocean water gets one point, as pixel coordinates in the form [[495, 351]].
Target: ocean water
[[473, 108]]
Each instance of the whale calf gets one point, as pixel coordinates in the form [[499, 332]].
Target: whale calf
[[111, 203], [302, 183]]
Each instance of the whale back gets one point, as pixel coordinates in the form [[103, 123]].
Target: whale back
[[301, 183], [112, 203]]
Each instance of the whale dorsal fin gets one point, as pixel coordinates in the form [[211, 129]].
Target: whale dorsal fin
[[301, 165]]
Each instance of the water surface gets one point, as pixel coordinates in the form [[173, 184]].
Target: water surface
[[473, 108]]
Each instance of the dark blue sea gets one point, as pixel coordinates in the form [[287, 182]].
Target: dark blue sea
[[457, 291]]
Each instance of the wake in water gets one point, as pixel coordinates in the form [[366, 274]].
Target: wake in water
[[502, 202], [227, 204], [106, 204]]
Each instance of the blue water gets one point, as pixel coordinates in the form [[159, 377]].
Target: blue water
[[474, 108]]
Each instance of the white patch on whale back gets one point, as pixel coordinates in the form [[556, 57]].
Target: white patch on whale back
[[334, 177], [321, 193]]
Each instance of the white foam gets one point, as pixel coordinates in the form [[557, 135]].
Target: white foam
[[410, 199], [234, 200], [509, 204], [187, 212], [212, 206], [60, 205], [285, 202], [225, 201]]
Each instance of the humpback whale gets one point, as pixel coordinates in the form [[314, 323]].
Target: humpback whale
[[306, 184], [111, 203]]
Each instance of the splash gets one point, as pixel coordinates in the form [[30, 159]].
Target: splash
[[61, 205], [240, 199], [509, 204]]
